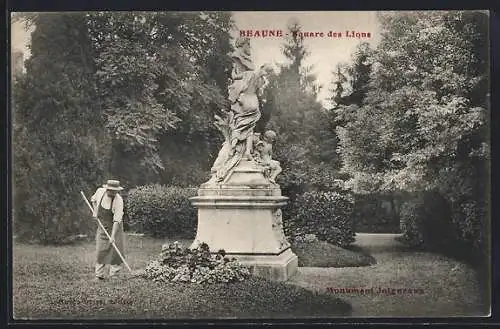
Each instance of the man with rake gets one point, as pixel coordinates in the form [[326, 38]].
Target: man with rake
[[108, 207]]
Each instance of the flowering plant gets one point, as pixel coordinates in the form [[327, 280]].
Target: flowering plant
[[194, 265]]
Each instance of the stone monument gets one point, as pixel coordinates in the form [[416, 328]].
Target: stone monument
[[239, 208]]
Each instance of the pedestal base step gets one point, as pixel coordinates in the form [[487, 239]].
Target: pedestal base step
[[274, 267]]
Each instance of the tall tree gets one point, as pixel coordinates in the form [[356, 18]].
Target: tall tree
[[59, 142], [159, 75], [351, 80], [423, 123], [305, 144], [351, 84]]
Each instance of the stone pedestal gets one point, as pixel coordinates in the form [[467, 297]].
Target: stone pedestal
[[242, 215]]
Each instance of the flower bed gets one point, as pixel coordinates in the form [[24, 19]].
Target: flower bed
[[178, 264]]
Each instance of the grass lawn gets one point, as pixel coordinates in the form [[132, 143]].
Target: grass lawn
[[57, 283], [450, 288], [323, 254]]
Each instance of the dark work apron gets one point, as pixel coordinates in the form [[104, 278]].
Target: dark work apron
[[106, 253]]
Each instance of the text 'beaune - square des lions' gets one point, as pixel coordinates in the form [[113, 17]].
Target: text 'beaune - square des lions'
[[305, 34]]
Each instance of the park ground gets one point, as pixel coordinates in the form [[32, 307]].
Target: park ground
[[57, 283], [450, 288]]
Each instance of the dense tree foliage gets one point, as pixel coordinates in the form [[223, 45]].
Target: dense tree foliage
[[422, 125], [161, 74], [60, 147], [101, 91], [377, 211], [306, 148]]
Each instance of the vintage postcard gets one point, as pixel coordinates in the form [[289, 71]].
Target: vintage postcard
[[250, 165]]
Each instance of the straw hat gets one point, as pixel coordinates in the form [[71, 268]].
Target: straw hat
[[113, 185]]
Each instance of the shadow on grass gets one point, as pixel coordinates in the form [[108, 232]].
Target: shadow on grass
[[143, 299], [323, 254], [479, 261], [362, 251]]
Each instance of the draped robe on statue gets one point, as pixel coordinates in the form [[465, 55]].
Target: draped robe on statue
[[243, 116]]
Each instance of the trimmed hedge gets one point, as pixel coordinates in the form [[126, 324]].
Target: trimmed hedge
[[328, 215], [161, 211]]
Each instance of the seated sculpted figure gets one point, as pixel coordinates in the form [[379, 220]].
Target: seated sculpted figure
[[264, 155]]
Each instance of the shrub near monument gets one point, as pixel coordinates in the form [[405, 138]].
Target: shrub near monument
[[325, 214], [161, 211], [165, 212]]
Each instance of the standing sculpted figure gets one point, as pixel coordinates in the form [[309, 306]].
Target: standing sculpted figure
[[239, 122]]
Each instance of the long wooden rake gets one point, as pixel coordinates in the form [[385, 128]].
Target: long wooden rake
[[134, 273]]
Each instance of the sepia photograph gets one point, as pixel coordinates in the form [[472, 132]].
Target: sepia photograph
[[182, 165]]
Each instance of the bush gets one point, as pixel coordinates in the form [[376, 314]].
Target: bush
[[58, 228], [47, 179], [467, 189], [455, 229], [426, 222], [470, 218], [411, 218], [162, 211], [197, 265], [325, 214]]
